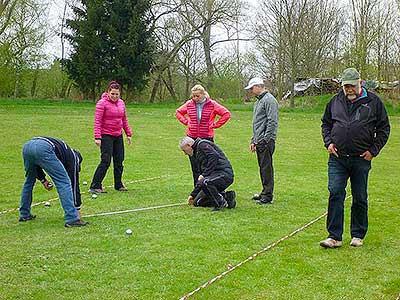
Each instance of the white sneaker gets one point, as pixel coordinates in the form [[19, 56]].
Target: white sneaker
[[330, 243], [356, 242]]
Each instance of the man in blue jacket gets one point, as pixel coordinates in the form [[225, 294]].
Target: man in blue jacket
[[355, 127], [62, 164], [216, 174]]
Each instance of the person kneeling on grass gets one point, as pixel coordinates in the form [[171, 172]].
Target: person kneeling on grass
[[63, 165], [216, 174]]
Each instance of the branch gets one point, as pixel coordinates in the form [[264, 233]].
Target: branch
[[229, 40]]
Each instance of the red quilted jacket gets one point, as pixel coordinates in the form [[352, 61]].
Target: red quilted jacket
[[187, 115]]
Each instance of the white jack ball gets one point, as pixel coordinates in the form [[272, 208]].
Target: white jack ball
[[47, 203], [128, 231], [94, 196], [84, 183]]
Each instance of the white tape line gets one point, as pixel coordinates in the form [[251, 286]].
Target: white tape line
[[133, 210], [231, 268], [54, 199]]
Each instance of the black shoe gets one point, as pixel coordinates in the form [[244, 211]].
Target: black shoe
[[230, 199], [24, 219], [264, 202], [221, 206], [256, 197], [78, 223]]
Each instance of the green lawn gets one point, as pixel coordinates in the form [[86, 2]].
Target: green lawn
[[174, 250]]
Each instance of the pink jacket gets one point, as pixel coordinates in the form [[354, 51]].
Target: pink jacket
[[210, 111], [110, 118]]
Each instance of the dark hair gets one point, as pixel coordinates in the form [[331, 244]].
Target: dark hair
[[114, 85]]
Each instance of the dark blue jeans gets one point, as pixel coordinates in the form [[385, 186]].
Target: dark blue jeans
[[340, 169]]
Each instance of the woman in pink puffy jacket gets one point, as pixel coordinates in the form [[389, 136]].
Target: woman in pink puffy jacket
[[201, 115], [110, 119]]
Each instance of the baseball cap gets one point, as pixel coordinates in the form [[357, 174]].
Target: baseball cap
[[350, 76], [254, 81]]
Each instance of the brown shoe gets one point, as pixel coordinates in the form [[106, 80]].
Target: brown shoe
[[78, 223], [97, 191], [356, 242], [330, 243]]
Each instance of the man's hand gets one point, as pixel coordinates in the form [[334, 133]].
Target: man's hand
[[98, 142], [252, 147], [190, 200], [367, 155], [129, 138], [201, 178], [47, 184], [332, 150]]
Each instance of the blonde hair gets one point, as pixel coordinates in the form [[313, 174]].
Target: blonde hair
[[200, 88]]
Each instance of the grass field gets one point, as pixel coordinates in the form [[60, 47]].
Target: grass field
[[174, 250]]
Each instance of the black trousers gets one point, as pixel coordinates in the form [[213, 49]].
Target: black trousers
[[195, 169], [111, 146], [212, 188], [264, 157]]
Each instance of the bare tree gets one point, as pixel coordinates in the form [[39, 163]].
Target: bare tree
[[210, 14], [171, 35], [364, 18], [296, 39], [7, 8], [384, 45], [182, 27], [190, 64]]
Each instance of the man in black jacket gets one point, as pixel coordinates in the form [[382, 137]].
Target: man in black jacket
[[216, 174], [355, 127], [62, 164]]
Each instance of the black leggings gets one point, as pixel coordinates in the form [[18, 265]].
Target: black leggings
[[111, 146]]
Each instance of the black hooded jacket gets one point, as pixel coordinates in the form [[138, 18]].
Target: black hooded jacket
[[355, 127], [210, 158]]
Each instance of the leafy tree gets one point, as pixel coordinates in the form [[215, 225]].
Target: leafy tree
[[21, 43], [110, 40], [87, 62]]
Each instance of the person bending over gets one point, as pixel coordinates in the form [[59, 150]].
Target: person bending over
[[62, 164]]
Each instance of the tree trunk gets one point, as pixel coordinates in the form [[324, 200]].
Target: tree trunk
[[34, 82], [154, 90], [207, 54], [170, 85], [17, 83], [292, 81], [68, 91]]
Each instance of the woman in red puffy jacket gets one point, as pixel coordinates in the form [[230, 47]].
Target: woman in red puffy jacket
[[199, 115], [110, 119]]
